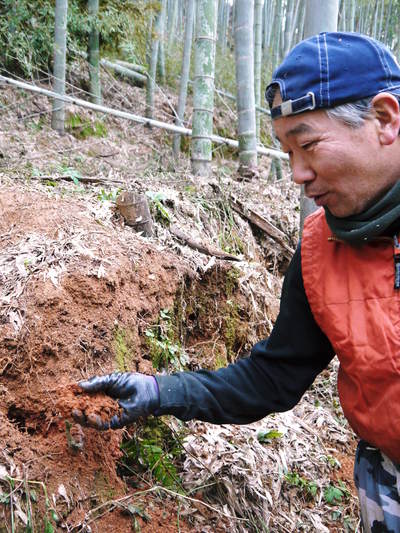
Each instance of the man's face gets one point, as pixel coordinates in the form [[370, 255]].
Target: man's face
[[341, 168]]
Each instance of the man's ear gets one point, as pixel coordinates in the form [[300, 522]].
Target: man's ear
[[387, 113]]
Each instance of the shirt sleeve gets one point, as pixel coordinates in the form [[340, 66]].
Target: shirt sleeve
[[272, 379]]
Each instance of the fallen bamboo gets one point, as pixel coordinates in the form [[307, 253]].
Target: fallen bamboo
[[207, 250], [122, 70], [81, 179], [136, 118], [132, 66], [139, 79], [261, 223]]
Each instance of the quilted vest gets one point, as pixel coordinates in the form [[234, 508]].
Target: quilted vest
[[352, 297]]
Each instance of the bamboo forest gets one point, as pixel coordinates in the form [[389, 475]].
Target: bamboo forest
[[147, 219]]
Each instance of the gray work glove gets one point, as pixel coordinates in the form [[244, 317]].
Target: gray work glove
[[137, 394]]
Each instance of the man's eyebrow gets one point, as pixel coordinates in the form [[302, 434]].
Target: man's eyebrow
[[300, 128]]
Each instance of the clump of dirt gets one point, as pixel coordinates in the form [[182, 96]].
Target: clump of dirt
[[96, 406]]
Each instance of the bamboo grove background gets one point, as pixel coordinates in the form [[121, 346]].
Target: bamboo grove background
[[228, 47]]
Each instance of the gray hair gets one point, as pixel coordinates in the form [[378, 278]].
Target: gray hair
[[352, 114]]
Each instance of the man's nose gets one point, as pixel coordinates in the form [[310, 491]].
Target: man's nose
[[302, 171]]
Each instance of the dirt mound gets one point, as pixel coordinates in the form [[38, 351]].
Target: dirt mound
[[61, 304], [76, 299]]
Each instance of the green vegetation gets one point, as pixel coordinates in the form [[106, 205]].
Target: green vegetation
[[122, 348], [109, 196], [26, 39], [229, 239], [231, 328], [82, 128], [266, 436], [220, 360], [155, 447], [157, 207], [23, 500], [163, 345], [334, 494], [307, 488]]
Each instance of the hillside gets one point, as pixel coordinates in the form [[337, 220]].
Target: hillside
[[82, 293]]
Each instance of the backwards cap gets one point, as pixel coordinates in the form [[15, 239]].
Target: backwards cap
[[330, 69]]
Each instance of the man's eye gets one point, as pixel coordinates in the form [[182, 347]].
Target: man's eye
[[308, 145]]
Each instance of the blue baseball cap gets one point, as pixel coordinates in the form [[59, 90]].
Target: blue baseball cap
[[330, 69]]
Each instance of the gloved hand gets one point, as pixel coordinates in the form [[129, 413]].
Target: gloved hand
[[137, 394]]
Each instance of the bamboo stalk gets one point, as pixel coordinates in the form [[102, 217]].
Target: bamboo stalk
[[94, 52], [184, 72], [245, 100], [203, 94], [130, 116], [60, 48], [118, 68]]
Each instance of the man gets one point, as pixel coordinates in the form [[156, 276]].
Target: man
[[334, 105]]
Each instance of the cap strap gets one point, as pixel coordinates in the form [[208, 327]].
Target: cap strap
[[291, 107]]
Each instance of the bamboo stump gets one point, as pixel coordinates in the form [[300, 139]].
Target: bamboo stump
[[135, 210]]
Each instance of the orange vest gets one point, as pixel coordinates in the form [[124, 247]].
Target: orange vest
[[352, 297]]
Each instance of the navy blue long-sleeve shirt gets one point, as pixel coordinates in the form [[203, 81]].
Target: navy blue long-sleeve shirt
[[272, 379]]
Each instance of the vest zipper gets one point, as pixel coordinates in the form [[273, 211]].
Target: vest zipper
[[396, 256]]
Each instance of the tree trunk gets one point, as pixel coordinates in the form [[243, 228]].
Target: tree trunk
[[203, 97], [60, 50], [317, 20], [258, 12], [266, 27], [187, 47], [381, 20], [244, 54], [385, 37], [294, 25], [352, 24], [172, 16], [161, 48], [151, 79], [277, 31], [288, 25], [302, 23], [94, 53]]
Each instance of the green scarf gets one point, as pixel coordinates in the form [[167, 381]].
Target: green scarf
[[372, 222]]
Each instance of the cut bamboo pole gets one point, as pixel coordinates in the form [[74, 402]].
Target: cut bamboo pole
[[140, 79], [130, 116], [132, 66]]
